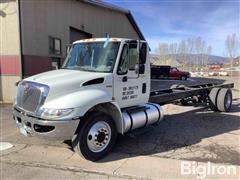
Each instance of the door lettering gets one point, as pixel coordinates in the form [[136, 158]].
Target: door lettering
[[129, 92]]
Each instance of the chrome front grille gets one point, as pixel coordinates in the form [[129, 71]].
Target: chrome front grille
[[30, 95]]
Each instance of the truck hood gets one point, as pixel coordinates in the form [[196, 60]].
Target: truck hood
[[66, 81]]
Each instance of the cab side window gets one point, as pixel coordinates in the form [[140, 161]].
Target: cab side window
[[133, 56], [124, 61], [174, 70]]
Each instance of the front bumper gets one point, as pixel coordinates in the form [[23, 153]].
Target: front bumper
[[49, 129]]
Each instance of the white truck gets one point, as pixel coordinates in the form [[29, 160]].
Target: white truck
[[102, 90]]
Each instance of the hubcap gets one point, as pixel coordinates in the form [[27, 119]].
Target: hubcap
[[99, 136]]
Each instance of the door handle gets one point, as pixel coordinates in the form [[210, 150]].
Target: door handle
[[124, 79]]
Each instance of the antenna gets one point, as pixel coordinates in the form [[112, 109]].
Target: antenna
[[107, 35], [107, 40]]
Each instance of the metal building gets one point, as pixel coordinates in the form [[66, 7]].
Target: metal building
[[34, 34]]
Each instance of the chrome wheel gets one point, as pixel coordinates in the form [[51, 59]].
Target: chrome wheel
[[96, 136], [99, 136]]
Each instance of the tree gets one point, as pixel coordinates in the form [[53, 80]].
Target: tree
[[182, 51], [209, 52], [200, 48], [163, 52], [197, 46], [190, 46], [232, 46], [203, 50], [173, 49]]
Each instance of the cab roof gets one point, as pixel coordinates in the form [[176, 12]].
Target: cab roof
[[114, 39]]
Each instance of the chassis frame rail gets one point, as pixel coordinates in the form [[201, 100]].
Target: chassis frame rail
[[164, 96]]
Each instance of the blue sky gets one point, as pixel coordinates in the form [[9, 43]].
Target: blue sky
[[172, 20]]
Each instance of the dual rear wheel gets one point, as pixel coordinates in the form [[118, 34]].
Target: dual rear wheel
[[220, 99]]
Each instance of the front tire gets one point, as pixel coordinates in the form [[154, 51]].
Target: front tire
[[183, 78], [96, 137]]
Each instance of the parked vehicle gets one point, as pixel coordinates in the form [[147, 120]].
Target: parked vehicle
[[198, 74], [213, 73], [218, 73], [168, 72], [223, 73], [102, 90]]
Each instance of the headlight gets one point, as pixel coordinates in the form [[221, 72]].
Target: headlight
[[54, 113]]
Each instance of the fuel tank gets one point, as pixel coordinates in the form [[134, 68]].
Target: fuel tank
[[142, 116]]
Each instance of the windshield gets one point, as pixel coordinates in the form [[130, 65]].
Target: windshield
[[93, 56]]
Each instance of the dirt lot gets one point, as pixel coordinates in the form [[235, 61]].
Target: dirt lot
[[187, 133]]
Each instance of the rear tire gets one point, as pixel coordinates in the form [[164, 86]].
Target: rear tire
[[183, 78], [96, 137], [213, 99], [224, 100]]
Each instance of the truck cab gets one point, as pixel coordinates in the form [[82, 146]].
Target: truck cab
[[101, 90]]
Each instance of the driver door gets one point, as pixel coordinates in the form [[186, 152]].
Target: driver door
[[128, 85]]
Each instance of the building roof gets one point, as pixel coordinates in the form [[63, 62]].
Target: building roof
[[102, 4]]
